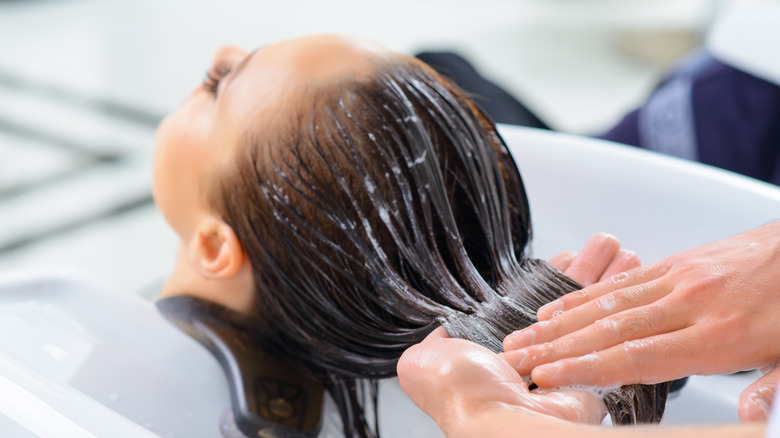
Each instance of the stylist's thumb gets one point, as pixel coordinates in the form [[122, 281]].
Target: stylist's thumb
[[755, 401]]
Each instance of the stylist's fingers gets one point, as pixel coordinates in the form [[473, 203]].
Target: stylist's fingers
[[640, 361], [625, 260], [626, 279], [756, 400], [597, 254], [639, 323], [562, 261], [593, 311]]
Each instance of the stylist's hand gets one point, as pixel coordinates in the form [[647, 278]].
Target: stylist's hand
[[454, 380], [712, 309], [599, 259]]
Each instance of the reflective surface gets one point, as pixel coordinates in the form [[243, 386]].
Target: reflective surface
[[87, 359]]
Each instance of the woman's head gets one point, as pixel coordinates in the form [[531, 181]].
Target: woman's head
[[255, 111], [244, 96]]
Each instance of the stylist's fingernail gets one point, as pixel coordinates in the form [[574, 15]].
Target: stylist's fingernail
[[760, 406], [550, 308], [550, 371], [519, 339], [607, 236], [515, 357]]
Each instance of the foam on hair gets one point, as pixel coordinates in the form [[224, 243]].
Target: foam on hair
[[390, 205]]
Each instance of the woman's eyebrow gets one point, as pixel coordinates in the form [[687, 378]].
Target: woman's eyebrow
[[241, 65], [246, 60]]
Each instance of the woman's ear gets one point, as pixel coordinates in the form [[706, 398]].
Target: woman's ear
[[214, 251]]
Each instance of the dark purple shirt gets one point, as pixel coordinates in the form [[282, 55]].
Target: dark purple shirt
[[708, 111]]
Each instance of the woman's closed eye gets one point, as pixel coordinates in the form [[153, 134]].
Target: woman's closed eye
[[214, 75]]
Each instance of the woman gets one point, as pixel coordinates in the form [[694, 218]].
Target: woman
[[351, 200]]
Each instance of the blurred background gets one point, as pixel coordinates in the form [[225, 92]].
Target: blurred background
[[83, 84]]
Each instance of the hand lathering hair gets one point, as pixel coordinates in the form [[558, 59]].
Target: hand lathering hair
[[388, 206]]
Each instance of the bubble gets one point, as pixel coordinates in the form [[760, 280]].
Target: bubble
[[596, 391], [421, 159], [619, 278], [590, 359], [370, 186], [607, 303], [383, 213], [608, 324]]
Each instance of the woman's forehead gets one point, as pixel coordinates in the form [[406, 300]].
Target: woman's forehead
[[327, 51], [275, 79], [315, 58]]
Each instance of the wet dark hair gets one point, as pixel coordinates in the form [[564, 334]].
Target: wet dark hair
[[387, 207]]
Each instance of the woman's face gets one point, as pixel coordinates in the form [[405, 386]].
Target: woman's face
[[243, 94]]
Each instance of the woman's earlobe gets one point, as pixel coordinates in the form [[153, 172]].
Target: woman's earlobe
[[216, 250]]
